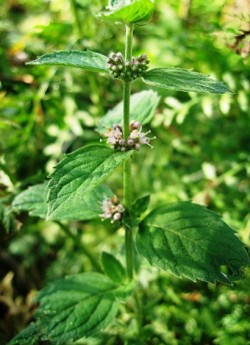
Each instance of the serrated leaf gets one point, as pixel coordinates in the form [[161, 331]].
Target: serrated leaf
[[178, 79], [140, 205], [113, 268], [29, 336], [76, 306], [78, 174], [87, 60], [33, 200], [142, 107], [191, 241], [134, 12], [72, 308]]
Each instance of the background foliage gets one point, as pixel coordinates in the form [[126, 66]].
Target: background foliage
[[201, 153]]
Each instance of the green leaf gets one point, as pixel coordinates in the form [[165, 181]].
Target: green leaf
[[72, 308], [87, 60], [34, 199], [142, 108], [113, 268], [135, 12], [117, 3], [191, 241], [29, 336], [79, 173], [76, 306], [178, 79], [140, 205]]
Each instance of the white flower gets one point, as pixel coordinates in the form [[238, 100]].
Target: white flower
[[112, 209]]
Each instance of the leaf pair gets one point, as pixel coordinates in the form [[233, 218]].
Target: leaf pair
[[175, 79]]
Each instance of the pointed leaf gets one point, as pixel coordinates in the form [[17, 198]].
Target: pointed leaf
[[72, 308], [178, 79], [142, 108], [87, 60], [113, 268], [29, 336], [192, 241], [79, 173], [134, 12], [77, 306], [140, 205], [34, 199]]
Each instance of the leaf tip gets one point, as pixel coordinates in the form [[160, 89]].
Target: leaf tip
[[32, 62]]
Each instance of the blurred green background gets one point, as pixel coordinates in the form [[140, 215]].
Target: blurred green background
[[201, 154]]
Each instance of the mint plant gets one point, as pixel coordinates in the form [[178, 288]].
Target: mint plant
[[184, 238]]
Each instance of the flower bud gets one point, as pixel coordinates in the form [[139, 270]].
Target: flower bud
[[135, 124], [120, 208], [117, 216], [122, 142], [130, 142]]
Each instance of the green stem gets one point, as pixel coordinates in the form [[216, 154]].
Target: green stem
[[127, 180], [138, 311]]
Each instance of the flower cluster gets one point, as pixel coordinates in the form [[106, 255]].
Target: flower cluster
[[134, 141], [112, 209], [127, 70]]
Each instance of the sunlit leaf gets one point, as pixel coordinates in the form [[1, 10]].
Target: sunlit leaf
[[134, 12], [191, 241], [34, 199], [178, 79], [142, 109], [87, 60], [118, 3], [78, 174]]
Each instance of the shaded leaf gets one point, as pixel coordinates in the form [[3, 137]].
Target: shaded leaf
[[34, 198], [87, 60], [135, 12], [178, 79], [75, 307], [78, 174], [113, 268], [191, 241], [142, 108], [140, 205], [29, 336]]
